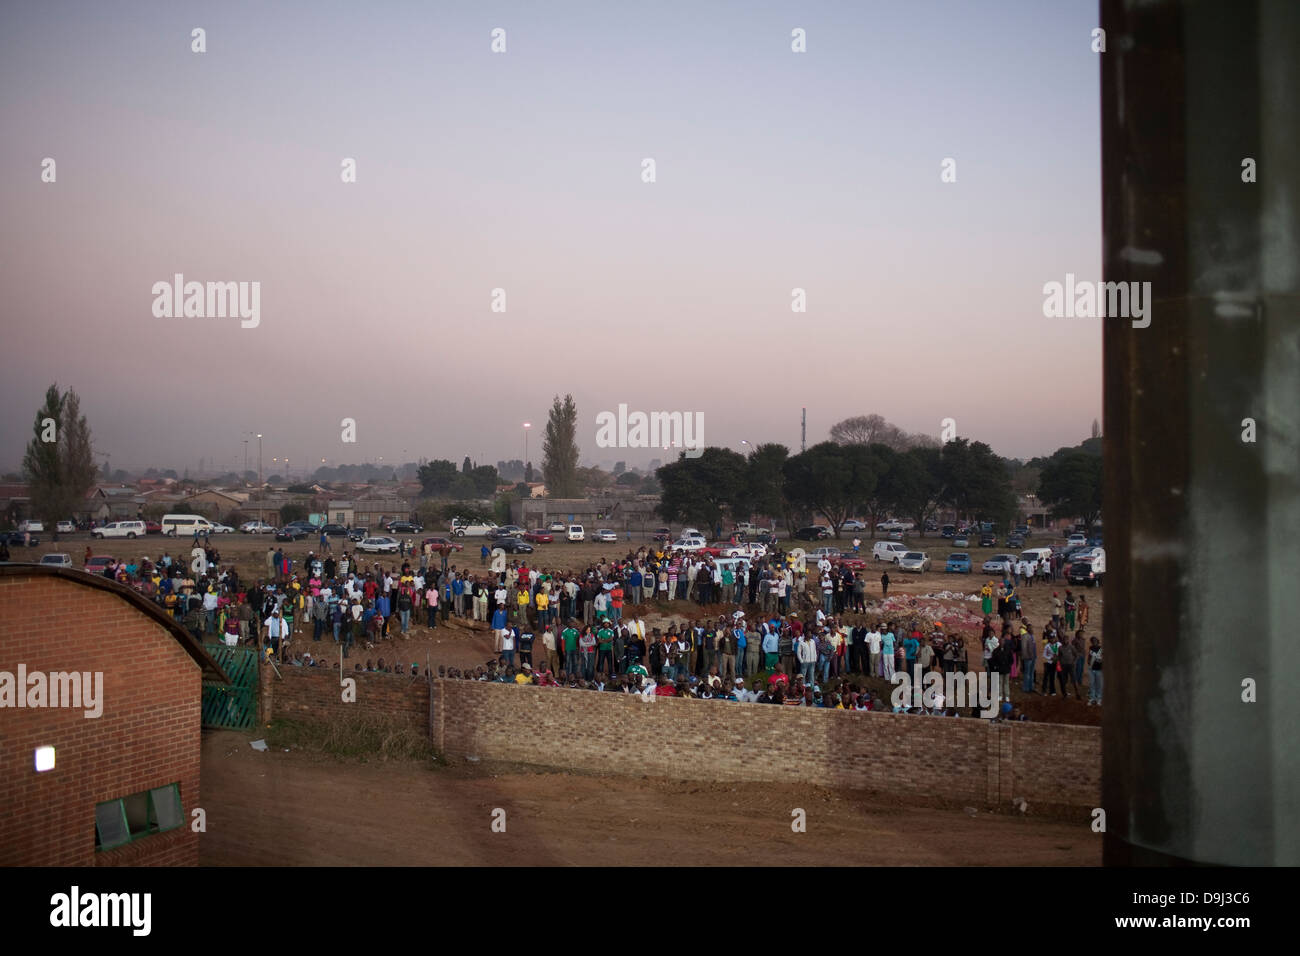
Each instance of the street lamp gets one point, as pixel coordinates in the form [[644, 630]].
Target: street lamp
[[259, 479], [527, 425]]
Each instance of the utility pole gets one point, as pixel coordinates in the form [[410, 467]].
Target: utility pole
[[803, 437]]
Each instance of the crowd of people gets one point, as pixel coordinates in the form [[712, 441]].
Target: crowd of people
[[574, 625]]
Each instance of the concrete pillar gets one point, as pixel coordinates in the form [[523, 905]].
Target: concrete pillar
[[1202, 528]]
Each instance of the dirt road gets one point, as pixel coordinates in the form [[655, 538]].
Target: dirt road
[[296, 809]]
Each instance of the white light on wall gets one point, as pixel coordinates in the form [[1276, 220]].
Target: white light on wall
[[44, 759]]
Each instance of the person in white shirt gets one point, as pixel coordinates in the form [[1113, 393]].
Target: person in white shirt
[[874, 638], [274, 630]]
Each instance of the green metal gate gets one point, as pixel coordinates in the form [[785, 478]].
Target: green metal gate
[[232, 705]]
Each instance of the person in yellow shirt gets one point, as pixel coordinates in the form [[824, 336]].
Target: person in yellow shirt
[[543, 607], [522, 601]]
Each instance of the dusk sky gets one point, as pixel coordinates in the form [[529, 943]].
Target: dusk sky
[[523, 171]]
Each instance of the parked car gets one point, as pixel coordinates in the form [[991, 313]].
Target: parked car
[[557, 527], [662, 534], [830, 554], [216, 528], [474, 529], [1078, 539], [58, 560], [540, 536], [958, 563], [1015, 541], [403, 527], [887, 551], [948, 531], [290, 533], [13, 538], [1088, 567], [96, 563], [999, 564], [854, 524], [689, 544], [764, 537], [575, 532], [854, 562], [512, 545], [961, 540], [358, 534], [509, 530], [333, 530], [31, 526], [812, 533], [379, 544], [917, 561], [605, 536], [257, 527], [153, 527], [988, 539], [442, 545], [749, 549], [65, 527], [1024, 530], [896, 535], [120, 529]]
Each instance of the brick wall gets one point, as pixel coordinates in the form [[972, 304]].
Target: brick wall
[[148, 735], [946, 760], [315, 693]]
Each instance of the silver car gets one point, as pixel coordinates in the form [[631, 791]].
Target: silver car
[[917, 561], [380, 544]]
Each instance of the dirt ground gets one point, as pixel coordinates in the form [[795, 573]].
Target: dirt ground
[[467, 644], [279, 808]]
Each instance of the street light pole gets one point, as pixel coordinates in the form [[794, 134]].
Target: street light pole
[[527, 425], [259, 481]]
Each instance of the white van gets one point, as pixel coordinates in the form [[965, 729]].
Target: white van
[[1037, 556], [185, 525], [576, 533], [120, 529], [888, 551]]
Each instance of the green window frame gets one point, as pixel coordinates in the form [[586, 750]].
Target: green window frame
[[137, 816]]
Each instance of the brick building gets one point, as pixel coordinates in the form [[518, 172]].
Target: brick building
[[123, 782]]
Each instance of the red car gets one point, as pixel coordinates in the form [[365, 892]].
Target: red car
[[853, 562], [539, 536], [442, 545], [97, 563], [152, 527]]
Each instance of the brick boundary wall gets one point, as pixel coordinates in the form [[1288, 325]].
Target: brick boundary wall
[[961, 760]]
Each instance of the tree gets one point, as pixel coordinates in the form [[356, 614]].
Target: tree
[[462, 488], [699, 490], [1096, 429], [528, 472], [560, 449], [878, 504], [619, 468], [765, 485], [466, 465], [485, 480], [874, 430], [1071, 484], [59, 461], [293, 511], [436, 477], [916, 484], [594, 478], [831, 479], [976, 482], [629, 479]]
